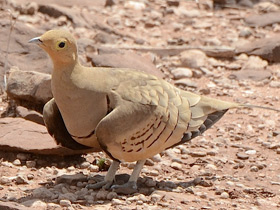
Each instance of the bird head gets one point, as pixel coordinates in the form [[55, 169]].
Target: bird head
[[60, 45]]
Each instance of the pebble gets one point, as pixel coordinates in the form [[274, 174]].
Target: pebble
[[179, 73], [155, 197], [211, 167], [4, 180], [17, 162], [153, 173], [224, 195], [274, 84], [93, 168], [229, 183], [242, 156], [65, 203], [186, 82], [30, 164], [102, 195], [43, 193], [157, 158], [23, 156], [150, 182], [21, 180], [193, 59], [176, 166], [111, 195], [68, 196], [254, 169], [197, 154], [116, 201], [251, 152], [85, 165]]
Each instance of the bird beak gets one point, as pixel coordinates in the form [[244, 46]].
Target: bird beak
[[36, 40]]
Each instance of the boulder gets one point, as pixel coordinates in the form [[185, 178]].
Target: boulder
[[29, 88], [20, 135]]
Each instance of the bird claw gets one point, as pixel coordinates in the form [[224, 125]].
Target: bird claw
[[127, 188], [104, 185]]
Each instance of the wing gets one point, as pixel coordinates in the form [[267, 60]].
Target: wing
[[148, 116]]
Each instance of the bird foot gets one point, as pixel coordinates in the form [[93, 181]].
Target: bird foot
[[127, 188], [104, 185]]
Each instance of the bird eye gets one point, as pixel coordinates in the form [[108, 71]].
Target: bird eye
[[61, 44]]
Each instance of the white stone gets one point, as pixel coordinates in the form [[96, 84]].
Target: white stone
[[65, 203], [224, 195]]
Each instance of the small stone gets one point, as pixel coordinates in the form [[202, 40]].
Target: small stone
[[157, 158], [84, 165], [153, 173], [68, 196], [30, 164], [149, 162], [17, 162], [254, 169], [186, 82], [93, 168], [224, 195], [102, 195], [38, 204], [156, 197], [251, 152], [150, 182], [134, 5], [42, 193], [197, 154], [176, 166], [53, 206], [211, 167], [5, 180], [21, 180], [65, 203], [229, 183], [193, 59], [242, 156], [182, 73], [30, 176], [245, 32], [116, 202], [174, 3], [23, 156], [111, 195]]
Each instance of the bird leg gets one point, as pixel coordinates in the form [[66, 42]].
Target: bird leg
[[131, 185], [109, 178]]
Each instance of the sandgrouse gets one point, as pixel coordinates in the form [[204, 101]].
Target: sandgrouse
[[128, 114]]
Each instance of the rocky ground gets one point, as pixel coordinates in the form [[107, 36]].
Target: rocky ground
[[229, 53]]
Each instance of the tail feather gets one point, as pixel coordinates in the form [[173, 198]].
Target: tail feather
[[258, 107]]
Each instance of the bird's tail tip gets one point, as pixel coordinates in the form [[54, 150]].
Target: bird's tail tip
[[259, 107]]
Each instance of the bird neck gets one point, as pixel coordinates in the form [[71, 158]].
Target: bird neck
[[65, 62]]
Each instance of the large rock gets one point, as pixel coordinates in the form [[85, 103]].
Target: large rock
[[31, 89], [124, 59], [234, 3], [12, 206], [254, 69], [21, 54], [17, 134], [263, 20], [193, 59], [267, 48]]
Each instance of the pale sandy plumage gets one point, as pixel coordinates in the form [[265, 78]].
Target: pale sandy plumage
[[129, 114]]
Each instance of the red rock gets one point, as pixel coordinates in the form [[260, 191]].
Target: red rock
[[17, 134], [119, 59]]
